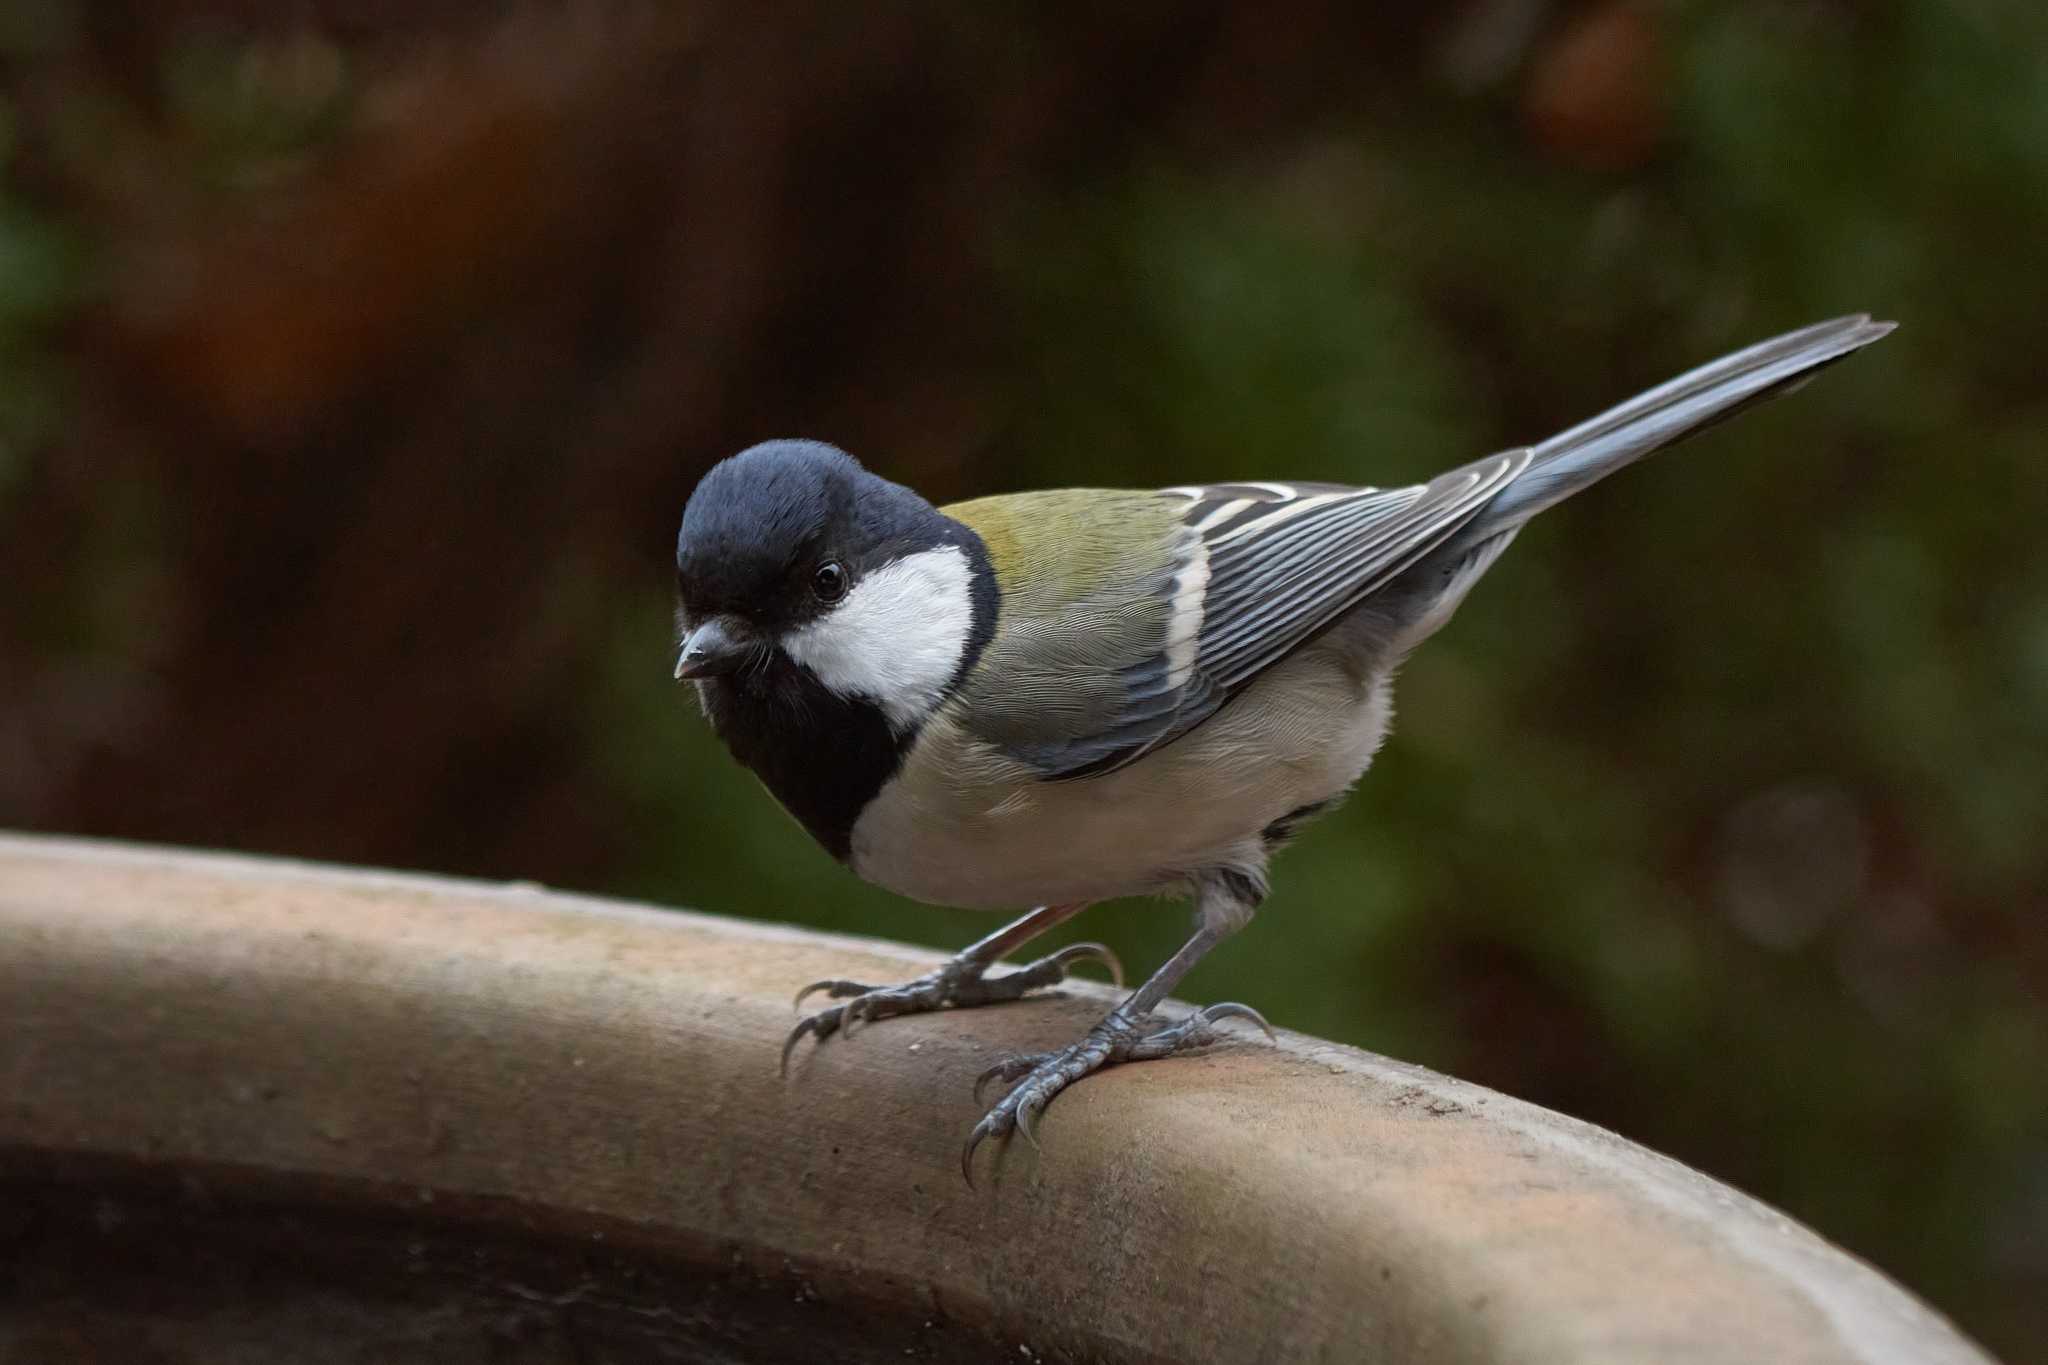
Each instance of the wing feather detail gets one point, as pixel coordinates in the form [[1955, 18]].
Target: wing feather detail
[[1257, 569], [1274, 596]]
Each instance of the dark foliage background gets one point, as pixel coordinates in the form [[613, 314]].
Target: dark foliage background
[[356, 359]]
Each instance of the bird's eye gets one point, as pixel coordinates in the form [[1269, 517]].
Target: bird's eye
[[828, 581]]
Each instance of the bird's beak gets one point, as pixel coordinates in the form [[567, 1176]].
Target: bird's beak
[[714, 649]]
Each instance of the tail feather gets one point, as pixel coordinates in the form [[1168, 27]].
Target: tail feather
[[1576, 459], [1425, 596]]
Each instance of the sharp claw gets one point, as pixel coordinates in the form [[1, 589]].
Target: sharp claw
[[1024, 1120], [810, 1025], [1100, 952], [832, 986], [1009, 1069], [974, 1140], [981, 1081], [1230, 1009]]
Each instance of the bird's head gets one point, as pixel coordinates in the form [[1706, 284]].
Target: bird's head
[[794, 557]]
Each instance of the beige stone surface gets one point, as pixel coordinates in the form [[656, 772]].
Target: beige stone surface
[[587, 1065]]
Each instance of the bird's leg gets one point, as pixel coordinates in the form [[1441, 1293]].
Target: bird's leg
[[960, 981], [1225, 902]]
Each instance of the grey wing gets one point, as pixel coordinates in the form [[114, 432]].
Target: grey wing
[[1265, 567]]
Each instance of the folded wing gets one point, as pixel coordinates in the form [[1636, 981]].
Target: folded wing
[[1182, 598]]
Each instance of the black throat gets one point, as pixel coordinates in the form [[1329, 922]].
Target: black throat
[[823, 756]]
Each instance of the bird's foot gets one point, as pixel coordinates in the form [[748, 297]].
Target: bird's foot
[[958, 983], [1120, 1037]]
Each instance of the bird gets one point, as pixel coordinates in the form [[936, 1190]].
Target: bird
[[1037, 701]]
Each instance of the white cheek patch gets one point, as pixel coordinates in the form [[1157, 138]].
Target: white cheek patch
[[898, 637]]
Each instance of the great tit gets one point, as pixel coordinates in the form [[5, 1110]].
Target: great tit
[[1055, 698]]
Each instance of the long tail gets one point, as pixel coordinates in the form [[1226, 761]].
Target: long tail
[[1579, 458], [1576, 459]]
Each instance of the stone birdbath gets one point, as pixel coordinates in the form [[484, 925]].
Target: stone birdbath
[[258, 1111]]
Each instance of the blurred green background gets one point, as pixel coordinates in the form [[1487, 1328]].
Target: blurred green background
[[356, 360]]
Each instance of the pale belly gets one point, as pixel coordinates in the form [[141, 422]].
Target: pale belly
[[963, 825]]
